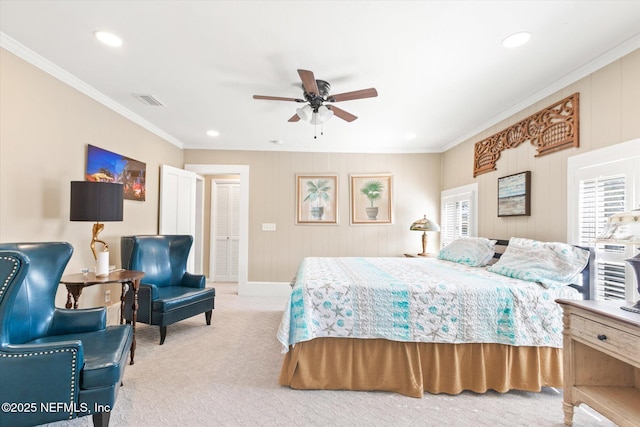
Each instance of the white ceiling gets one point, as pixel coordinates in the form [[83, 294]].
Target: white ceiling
[[439, 66]]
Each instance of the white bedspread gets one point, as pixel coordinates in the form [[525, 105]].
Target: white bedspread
[[419, 300]]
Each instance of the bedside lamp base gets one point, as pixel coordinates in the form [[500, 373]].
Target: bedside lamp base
[[635, 263]]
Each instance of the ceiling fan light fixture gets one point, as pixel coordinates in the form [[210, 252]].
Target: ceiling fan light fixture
[[324, 113], [305, 112]]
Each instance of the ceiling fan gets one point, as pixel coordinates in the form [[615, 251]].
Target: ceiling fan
[[316, 94]]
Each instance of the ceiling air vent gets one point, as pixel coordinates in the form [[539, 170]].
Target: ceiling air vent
[[149, 100]]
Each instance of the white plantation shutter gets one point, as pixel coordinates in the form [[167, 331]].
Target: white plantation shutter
[[458, 218], [599, 183], [610, 280], [599, 198]]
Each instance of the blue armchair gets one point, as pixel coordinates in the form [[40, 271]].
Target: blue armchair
[[167, 293], [55, 363]]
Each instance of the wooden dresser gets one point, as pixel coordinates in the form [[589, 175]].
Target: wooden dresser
[[601, 360]]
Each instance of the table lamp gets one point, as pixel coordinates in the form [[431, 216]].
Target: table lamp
[[99, 202], [424, 225], [624, 229]]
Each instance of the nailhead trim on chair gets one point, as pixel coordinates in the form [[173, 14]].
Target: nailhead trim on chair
[[6, 282], [74, 353]]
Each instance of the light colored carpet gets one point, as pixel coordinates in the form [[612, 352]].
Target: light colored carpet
[[226, 374]]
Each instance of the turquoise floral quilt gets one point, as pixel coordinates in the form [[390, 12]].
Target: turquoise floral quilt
[[419, 300]]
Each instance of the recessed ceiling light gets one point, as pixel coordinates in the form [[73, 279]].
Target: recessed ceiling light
[[410, 136], [276, 142], [517, 39], [108, 38], [213, 133]]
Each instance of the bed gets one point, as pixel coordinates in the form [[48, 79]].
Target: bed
[[436, 325]]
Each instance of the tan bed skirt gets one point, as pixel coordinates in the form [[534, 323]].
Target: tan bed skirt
[[410, 368]]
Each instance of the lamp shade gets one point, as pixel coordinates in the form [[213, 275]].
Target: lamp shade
[[305, 112], [324, 113], [622, 228], [424, 224], [96, 201]]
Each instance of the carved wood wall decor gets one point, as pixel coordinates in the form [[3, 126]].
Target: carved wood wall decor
[[552, 129]]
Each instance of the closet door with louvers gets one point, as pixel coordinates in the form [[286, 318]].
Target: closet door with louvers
[[226, 210]]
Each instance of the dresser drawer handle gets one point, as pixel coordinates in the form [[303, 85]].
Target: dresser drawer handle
[[602, 337]]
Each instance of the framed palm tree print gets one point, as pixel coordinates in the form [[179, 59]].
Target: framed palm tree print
[[316, 199], [372, 198]]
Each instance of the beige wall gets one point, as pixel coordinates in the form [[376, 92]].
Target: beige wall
[[274, 256], [609, 114], [45, 127]]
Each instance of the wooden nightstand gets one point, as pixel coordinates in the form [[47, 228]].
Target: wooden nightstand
[[601, 360]]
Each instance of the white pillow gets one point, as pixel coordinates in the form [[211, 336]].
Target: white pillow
[[549, 263], [471, 251]]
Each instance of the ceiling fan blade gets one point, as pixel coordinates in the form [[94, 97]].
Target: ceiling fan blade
[[276, 98], [308, 81], [294, 118], [356, 94], [341, 113]]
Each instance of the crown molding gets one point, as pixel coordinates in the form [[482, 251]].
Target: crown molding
[[47, 66], [603, 60]]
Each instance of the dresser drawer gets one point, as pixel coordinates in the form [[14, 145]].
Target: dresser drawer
[[605, 337]]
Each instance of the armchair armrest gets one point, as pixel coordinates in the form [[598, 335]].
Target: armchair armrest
[[23, 367], [148, 289], [44, 349], [67, 321], [193, 280]]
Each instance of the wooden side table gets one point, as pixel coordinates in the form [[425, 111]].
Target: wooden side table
[[75, 283], [601, 353]]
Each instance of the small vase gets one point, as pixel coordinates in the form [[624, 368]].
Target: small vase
[[372, 213], [317, 212]]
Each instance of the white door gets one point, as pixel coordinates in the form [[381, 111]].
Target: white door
[[178, 204], [225, 199]]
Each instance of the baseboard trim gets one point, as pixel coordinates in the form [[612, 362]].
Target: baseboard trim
[[265, 289]]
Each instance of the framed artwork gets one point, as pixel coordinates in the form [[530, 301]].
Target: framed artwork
[[316, 199], [105, 166], [372, 198], [514, 194]]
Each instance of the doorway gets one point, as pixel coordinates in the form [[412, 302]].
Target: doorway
[[225, 212], [242, 171]]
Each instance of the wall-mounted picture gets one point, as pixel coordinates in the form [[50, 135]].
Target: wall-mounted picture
[[105, 166], [317, 199], [514, 194], [372, 198]]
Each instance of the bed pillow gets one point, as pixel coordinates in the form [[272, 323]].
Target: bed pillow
[[549, 263], [471, 251]]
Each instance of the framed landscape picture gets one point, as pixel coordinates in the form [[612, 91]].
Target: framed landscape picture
[[372, 198], [514, 194], [316, 199], [106, 166]]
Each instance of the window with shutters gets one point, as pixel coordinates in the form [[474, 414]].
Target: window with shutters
[[598, 199], [458, 213], [601, 183]]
